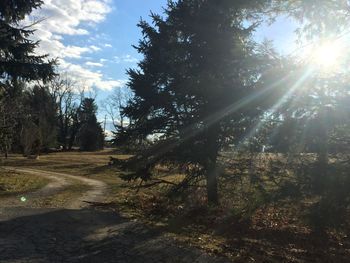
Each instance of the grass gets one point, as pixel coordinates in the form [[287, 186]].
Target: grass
[[15, 184], [64, 197], [92, 165]]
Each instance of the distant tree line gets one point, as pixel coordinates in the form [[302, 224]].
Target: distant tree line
[[50, 116], [39, 109]]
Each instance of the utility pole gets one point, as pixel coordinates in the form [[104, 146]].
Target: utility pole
[[104, 125], [104, 132]]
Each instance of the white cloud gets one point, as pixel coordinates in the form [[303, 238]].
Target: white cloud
[[94, 48], [130, 59], [116, 59], [109, 134], [87, 78], [108, 45], [74, 51], [67, 16], [125, 59], [93, 64], [60, 18]]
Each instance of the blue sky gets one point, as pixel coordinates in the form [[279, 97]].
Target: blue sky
[[121, 32], [93, 38]]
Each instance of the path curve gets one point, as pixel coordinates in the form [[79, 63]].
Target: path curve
[[59, 181], [83, 233]]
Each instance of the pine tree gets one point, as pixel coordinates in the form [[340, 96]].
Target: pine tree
[[194, 86], [90, 136], [17, 58], [18, 63]]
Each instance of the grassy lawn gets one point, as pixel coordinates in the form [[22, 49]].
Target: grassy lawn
[[15, 184]]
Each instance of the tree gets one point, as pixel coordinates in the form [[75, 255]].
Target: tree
[[17, 50], [62, 92], [195, 87], [317, 18], [113, 106], [90, 136], [11, 111], [17, 62], [313, 114], [40, 109], [30, 138]]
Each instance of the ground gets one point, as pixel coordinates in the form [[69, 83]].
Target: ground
[[67, 221], [86, 213], [12, 183]]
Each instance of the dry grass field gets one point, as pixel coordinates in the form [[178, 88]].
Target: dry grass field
[[15, 184], [248, 226]]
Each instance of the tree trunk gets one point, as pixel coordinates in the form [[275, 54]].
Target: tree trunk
[[6, 147], [71, 143], [212, 149], [73, 136], [322, 155], [322, 166], [212, 184], [6, 152]]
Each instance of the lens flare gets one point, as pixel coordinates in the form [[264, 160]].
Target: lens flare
[[327, 56]]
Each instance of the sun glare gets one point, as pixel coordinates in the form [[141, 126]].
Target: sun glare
[[327, 56]]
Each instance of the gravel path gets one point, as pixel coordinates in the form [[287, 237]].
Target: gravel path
[[81, 233]]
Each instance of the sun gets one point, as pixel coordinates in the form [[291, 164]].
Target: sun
[[327, 56]]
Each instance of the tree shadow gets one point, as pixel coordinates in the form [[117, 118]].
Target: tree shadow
[[87, 235], [100, 169], [245, 242], [286, 245]]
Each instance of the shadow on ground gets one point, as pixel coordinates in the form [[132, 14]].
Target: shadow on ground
[[87, 235], [244, 241]]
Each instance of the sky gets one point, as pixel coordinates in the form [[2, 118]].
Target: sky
[[93, 38]]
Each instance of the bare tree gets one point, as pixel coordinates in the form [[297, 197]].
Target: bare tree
[[113, 107], [31, 139], [68, 100]]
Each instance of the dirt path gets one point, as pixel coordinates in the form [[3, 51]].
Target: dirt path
[[81, 233], [58, 182]]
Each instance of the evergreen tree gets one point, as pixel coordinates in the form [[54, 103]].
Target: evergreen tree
[[90, 136], [18, 63], [194, 87], [17, 59]]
